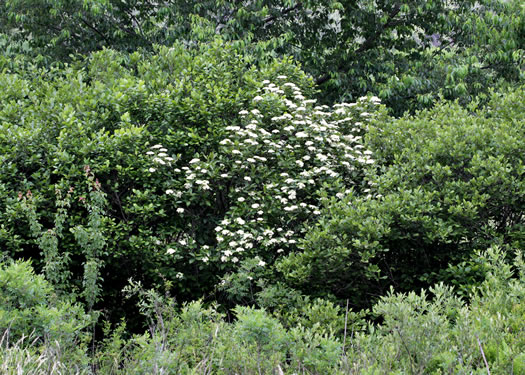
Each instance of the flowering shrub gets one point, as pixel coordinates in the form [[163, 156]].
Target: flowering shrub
[[450, 182], [100, 112], [270, 174]]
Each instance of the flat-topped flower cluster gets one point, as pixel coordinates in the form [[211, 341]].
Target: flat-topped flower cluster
[[273, 170]]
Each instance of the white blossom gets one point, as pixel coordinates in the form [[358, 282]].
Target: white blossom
[[321, 157]]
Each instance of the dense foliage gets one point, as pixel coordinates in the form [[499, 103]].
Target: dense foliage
[[76, 180], [409, 53], [418, 335], [262, 187], [448, 181]]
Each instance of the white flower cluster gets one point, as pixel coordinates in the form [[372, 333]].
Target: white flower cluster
[[159, 155], [196, 177], [274, 165], [298, 150]]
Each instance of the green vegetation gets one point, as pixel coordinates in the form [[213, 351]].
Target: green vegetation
[[418, 335], [409, 53], [309, 187], [448, 181]]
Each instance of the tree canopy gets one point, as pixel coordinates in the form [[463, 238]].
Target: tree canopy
[[409, 53]]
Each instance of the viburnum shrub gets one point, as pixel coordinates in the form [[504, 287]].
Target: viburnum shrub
[[269, 175], [450, 182]]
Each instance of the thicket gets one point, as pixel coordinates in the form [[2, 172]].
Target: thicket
[[446, 182], [185, 197], [420, 333], [76, 179]]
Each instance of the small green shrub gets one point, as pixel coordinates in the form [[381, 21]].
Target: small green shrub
[[29, 307], [443, 335], [35, 322], [518, 364]]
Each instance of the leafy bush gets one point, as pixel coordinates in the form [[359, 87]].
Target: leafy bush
[[73, 145], [265, 181], [433, 332], [31, 315], [447, 182], [198, 340], [446, 335]]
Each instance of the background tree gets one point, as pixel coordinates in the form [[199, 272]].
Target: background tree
[[407, 52]]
